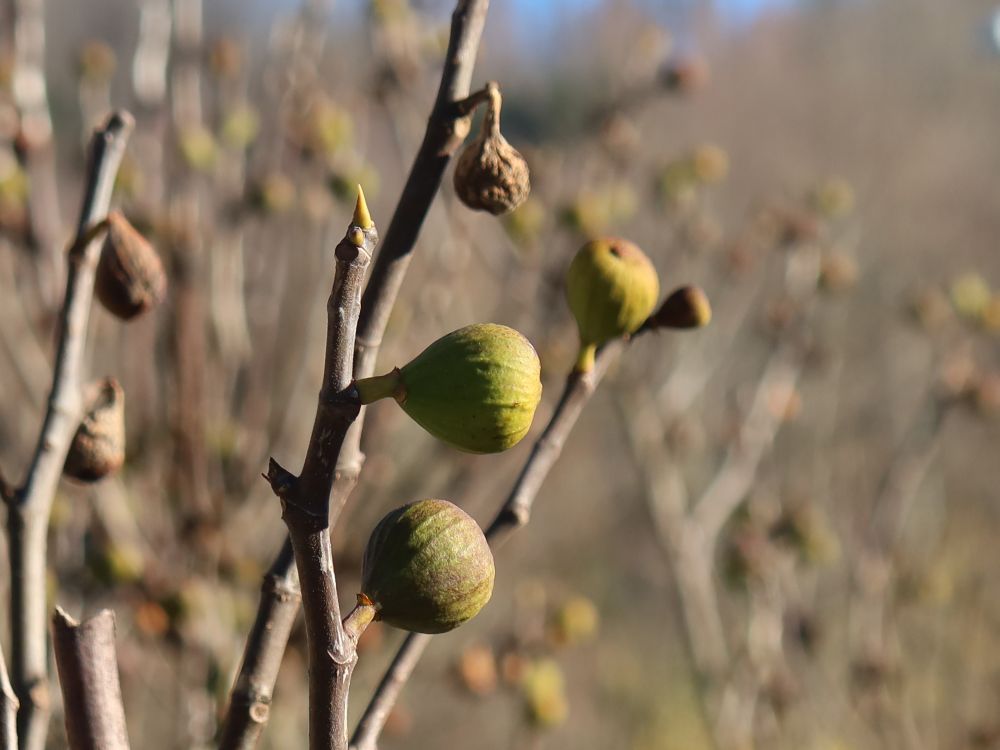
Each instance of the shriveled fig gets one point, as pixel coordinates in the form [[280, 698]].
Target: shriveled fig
[[98, 447], [490, 174], [130, 278], [476, 388], [612, 288], [427, 568]]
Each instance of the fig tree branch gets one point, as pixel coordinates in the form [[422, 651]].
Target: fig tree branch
[[88, 677], [305, 498], [446, 128], [8, 709], [31, 503]]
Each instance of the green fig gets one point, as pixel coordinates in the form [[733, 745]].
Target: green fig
[[612, 288], [476, 388], [427, 568]]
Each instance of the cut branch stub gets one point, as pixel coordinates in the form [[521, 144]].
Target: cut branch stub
[[476, 388]]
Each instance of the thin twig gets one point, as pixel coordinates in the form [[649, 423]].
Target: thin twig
[[8, 710], [513, 514], [305, 499], [29, 511], [88, 677], [250, 702], [446, 128]]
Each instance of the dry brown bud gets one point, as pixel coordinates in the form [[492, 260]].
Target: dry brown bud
[[686, 307], [98, 448], [491, 175], [130, 277]]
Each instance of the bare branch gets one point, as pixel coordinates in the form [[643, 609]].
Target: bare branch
[[29, 512], [446, 128], [513, 514], [250, 703], [88, 676], [8, 710], [395, 678], [305, 499]]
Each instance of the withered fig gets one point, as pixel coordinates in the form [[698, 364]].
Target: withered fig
[[476, 388], [490, 174], [98, 447], [427, 567], [130, 278], [612, 288]]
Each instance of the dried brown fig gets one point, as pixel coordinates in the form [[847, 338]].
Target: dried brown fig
[[491, 175], [98, 448], [130, 277]]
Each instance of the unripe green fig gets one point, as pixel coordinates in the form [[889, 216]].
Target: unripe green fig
[[476, 388], [427, 568], [612, 288]]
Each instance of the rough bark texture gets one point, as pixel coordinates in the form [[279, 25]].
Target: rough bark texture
[[88, 677], [31, 504]]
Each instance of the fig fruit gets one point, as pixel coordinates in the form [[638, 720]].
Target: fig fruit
[[130, 278], [476, 388], [427, 568], [98, 447], [490, 174], [612, 288]]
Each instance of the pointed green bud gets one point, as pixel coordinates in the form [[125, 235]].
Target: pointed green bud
[[362, 217], [612, 288], [476, 388], [427, 568]]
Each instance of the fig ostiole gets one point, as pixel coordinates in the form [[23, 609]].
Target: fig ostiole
[[427, 568], [612, 288], [476, 388]]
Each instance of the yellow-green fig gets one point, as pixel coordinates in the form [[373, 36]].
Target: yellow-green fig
[[476, 388], [427, 568], [612, 288]]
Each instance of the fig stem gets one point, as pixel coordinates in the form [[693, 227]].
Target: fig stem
[[358, 619], [378, 387], [585, 359]]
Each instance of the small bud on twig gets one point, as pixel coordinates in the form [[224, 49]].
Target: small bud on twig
[[687, 307]]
